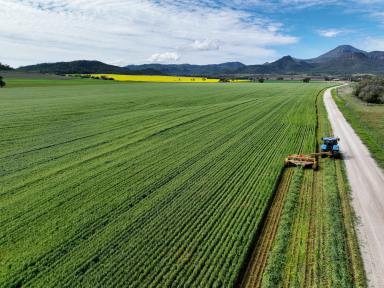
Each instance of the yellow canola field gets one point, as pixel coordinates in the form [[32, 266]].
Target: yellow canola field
[[156, 78]]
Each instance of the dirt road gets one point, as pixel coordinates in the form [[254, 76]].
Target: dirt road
[[367, 184]]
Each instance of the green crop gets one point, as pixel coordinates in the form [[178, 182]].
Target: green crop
[[150, 185]]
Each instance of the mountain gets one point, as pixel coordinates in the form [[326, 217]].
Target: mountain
[[4, 67], [335, 54], [188, 69], [285, 65], [378, 55], [348, 59], [288, 64], [83, 67]]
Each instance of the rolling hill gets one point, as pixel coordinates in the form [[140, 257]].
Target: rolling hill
[[188, 69], [83, 67]]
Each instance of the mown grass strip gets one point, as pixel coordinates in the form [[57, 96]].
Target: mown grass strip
[[273, 274]]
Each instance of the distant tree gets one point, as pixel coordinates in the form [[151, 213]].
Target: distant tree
[[327, 78], [370, 90], [261, 80], [280, 78], [224, 80], [4, 67], [306, 80], [2, 83], [104, 77]]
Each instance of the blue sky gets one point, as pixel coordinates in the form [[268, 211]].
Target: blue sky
[[125, 32]]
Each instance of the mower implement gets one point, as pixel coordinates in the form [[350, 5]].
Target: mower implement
[[306, 161]]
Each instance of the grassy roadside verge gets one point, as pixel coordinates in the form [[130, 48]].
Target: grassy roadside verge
[[366, 120]]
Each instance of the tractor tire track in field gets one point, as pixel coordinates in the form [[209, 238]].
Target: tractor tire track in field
[[311, 242], [258, 261]]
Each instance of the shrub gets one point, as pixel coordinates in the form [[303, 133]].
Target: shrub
[[2, 83], [370, 90]]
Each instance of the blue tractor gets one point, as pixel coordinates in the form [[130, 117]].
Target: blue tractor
[[330, 147]]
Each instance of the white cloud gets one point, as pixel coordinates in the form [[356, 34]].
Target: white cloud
[[166, 57], [306, 3], [134, 31], [329, 33], [205, 45], [374, 44]]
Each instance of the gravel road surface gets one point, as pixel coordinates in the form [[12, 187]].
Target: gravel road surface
[[367, 183]]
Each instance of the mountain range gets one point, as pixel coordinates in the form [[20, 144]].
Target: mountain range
[[344, 59], [341, 60]]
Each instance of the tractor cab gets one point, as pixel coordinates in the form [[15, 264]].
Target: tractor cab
[[331, 145]]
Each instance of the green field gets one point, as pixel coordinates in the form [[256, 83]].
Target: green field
[[366, 119], [17, 82], [145, 185]]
